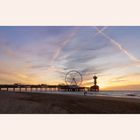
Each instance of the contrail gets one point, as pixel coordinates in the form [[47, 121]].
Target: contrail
[[63, 43], [99, 31], [131, 57]]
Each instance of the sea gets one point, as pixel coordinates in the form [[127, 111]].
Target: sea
[[122, 94], [125, 94]]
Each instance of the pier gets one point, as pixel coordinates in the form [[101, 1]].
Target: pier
[[42, 88]]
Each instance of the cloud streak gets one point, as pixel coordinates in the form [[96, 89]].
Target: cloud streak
[[63, 43]]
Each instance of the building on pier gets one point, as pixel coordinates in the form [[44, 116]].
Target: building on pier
[[95, 87]]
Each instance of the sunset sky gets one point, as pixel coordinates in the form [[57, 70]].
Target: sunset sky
[[43, 55]]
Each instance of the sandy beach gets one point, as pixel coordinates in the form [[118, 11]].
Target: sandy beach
[[40, 103]]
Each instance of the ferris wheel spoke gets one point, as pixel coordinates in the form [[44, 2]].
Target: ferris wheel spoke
[[75, 81], [72, 82]]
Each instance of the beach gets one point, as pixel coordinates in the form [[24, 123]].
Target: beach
[[41, 103]]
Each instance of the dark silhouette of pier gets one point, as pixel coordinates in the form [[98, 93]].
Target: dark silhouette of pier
[[42, 87], [17, 87]]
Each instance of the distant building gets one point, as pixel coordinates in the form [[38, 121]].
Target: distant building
[[95, 87]]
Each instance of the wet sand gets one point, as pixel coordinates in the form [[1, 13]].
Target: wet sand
[[39, 103]]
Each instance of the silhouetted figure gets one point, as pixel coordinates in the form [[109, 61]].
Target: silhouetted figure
[[85, 93]]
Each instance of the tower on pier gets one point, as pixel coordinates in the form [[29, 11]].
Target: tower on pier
[[95, 87]]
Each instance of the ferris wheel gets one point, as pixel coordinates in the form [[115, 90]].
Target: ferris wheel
[[73, 78]]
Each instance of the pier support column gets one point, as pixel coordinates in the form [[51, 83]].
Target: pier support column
[[25, 89], [31, 89]]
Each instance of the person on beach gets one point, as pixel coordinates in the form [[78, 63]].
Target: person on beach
[[85, 93]]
